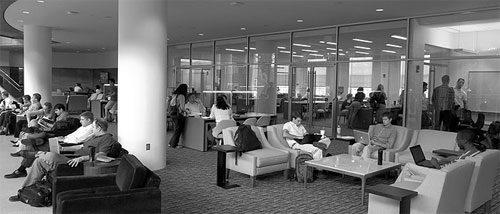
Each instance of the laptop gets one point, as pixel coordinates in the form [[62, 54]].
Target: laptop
[[361, 137], [418, 154], [310, 138]]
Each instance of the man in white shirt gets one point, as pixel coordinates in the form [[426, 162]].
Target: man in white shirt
[[193, 107], [295, 130]]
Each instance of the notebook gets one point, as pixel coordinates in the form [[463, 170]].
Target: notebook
[[418, 155], [361, 136]]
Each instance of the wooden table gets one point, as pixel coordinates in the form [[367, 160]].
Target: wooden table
[[222, 150], [196, 129], [402, 195]]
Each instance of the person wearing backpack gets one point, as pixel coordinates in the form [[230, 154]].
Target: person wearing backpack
[[294, 131], [177, 111]]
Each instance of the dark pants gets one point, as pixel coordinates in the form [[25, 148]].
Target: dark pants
[[19, 127], [179, 121], [32, 147]]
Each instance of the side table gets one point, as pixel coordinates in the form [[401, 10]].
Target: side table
[[222, 150], [99, 168], [396, 193]]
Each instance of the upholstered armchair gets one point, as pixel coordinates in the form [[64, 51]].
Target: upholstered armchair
[[275, 138], [255, 162], [402, 141], [133, 189], [429, 140], [483, 179], [439, 191]]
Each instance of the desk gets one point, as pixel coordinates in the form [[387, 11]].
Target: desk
[[97, 108], [196, 129], [222, 150]]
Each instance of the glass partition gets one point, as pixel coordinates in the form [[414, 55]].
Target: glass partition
[[232, 51], [202, 53], [458, 35], [314, 45], [386, 40], [273, 48]]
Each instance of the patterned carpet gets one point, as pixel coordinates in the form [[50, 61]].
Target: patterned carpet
[[188, 186]]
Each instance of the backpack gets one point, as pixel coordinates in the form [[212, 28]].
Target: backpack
[[245, 139], [172, 108], [300, 168], [38, 194]]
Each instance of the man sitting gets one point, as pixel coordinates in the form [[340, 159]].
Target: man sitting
[[193, 107], [46, 162], [82, 134], [382, 136], [294, 131]]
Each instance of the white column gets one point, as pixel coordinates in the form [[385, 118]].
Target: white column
[[38, 61], [142, 79]]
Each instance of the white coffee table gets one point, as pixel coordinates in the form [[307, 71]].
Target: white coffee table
[[355, 166]]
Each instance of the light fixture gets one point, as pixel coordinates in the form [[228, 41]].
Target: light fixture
[[26, 12], [332, 49], [287, 52], [201, 34], [322, 42], [236, 3], [316, 60], [341, 54], [103, 48], [67, 42], [298, 56], [320, 55], [301, 45], [280, 47], [40, 1], [20, 21], [234, 50], [362, 40], [360, 52], [388, 51], [251, 48], [300, 20], [394, 46], [72, 12], [379, 10], [243, 28], [398, 37], [311, 51], [331, 43], [361, 47]]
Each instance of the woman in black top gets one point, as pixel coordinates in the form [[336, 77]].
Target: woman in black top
[[177, 111], [377, 101]]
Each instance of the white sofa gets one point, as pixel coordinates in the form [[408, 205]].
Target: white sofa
[[402, 141], [429, 140], [441, 191], [276, 139], [255, 162], [483, 179]]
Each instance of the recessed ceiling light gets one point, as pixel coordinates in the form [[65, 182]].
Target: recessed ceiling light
[[312, 51], [201, 34], [361, 47], [301, 45], [281, 47], [300, 20], [72, 12], [398, 37], [26, 12], [68, 42], [379, 10], [40, 1], [234, 50], [285, 52], [236, 3], [20, 21], [394, 46], [360, 52], [362, 40], [242, 28], [388, 51]]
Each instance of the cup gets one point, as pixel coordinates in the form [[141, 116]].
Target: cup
[[322, 132]]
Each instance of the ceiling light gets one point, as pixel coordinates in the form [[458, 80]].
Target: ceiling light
[[242, 28], [201, 34], [72, 12], [394, 46], [362, 40], [312, 51], [40, 1], [300, 20], [379, 10], [301, 45], [235, 50], [20, 21], [322, 42], [298, 56], [285, 52], [388, 51], [316, 55], [365, 53], [333, 53], [341, 54], [103, 48], [361, 47], [26, 12], [331, 43], [250, 48], [279, 47], [398, 37], [67, 42], [332, 49], [236, 3]]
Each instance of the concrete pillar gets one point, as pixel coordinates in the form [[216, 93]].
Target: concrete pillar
[[142, 80], [38, 61]]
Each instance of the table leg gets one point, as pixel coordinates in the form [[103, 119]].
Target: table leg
[[404, 205], [221, 172], [305, 176], [363, 184]]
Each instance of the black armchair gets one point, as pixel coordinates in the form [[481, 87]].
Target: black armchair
[[133, 189]]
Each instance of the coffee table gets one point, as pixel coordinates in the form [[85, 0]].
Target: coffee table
[[355, 166]]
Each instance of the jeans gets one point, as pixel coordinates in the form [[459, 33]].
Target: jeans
[[44, 164], [179, 121]]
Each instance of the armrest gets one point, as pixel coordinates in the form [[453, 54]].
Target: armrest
[[142, 200], [64, 169], [391, 192]]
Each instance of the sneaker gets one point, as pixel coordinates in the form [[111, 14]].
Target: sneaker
[[16, 174], [15, 145], [15, 154], [14, 198], [179, 147], [13, 141]]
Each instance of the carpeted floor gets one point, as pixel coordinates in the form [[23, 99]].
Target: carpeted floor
[[188, 186]]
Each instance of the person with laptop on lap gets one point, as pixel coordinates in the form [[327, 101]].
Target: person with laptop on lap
[[382, 136], [294, 133]]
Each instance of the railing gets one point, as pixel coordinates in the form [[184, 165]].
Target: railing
[[11, 85]]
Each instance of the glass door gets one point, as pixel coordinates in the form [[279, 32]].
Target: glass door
[[312, 93]]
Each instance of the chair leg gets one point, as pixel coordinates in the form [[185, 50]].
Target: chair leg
[[252, 181], [227, 173]]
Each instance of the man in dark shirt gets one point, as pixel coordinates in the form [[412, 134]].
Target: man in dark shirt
[[47, 161], [113, 100]]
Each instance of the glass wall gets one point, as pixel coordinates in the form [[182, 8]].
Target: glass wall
[[380, 57]]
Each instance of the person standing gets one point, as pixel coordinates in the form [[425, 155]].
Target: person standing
[[377, 102], [426, 121], [443, 99], [460, 97], [113, 100], [178, 112]]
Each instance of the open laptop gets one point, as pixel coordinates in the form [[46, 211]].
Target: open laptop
[[310, 138], [419, 157], [361, 137]]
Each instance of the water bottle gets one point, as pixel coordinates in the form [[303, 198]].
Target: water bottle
[[380, 154], [92, 154]]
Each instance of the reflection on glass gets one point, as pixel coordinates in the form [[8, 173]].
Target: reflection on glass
[[314, 45], [233, 51]]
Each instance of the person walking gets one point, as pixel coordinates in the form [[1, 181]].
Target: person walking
[[443, 101], [177, 111]]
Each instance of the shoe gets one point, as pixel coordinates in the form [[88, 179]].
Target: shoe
[[13, 141], [179, 147], [15, 145], [14, 198], [3, 133], [15, 154], [16, 174]]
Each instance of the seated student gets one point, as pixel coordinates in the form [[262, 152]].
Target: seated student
[[34, 107], [221, 110], [43, 116], [7, 103], [465, 141], [294, 130], [492, 137], [61, 115], [193, 107], [5, 116], [46, 162], [354, 108], [382, 136], [82, 134]]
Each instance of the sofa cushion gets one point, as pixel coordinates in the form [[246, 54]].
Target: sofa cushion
[[131, 173], [268, 157]]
